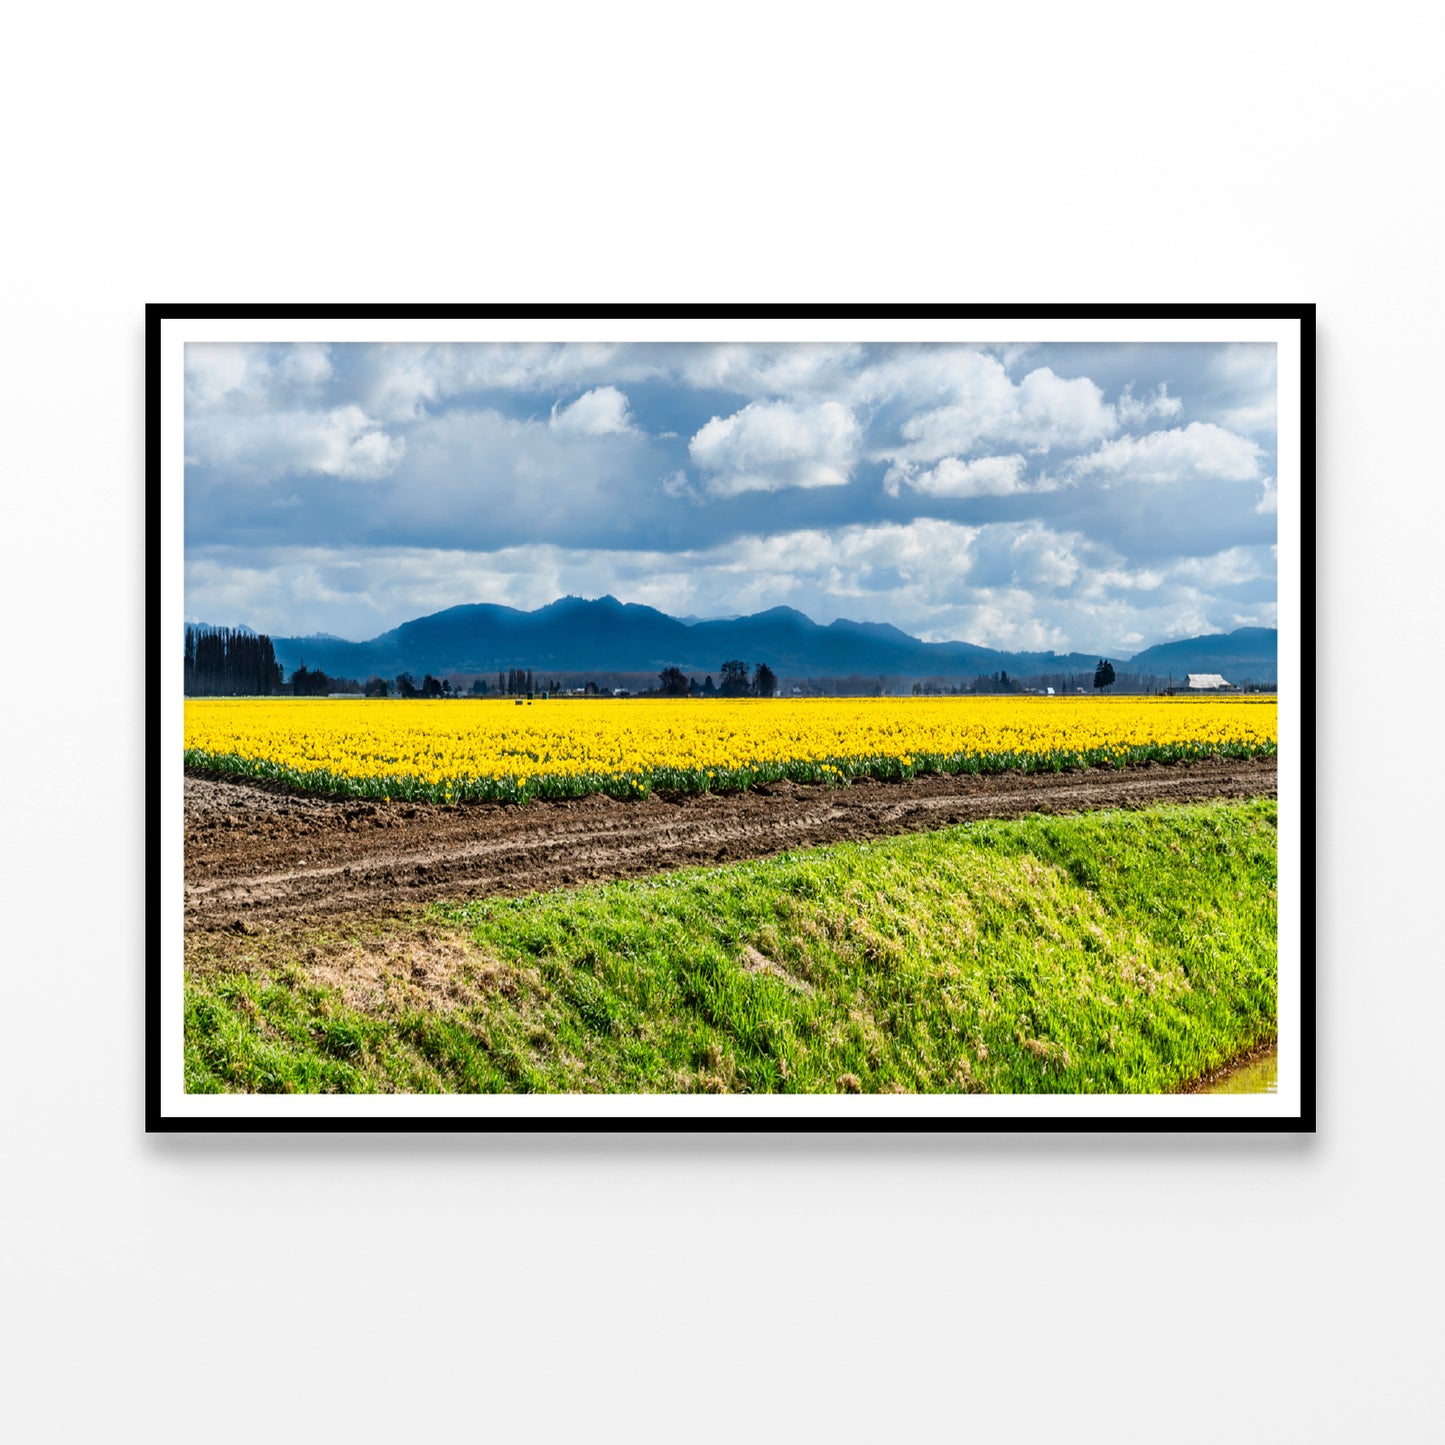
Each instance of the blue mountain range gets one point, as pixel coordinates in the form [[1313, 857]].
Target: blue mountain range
[[575, 634]]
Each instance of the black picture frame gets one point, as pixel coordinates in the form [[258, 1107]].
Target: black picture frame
[[161, 1112]]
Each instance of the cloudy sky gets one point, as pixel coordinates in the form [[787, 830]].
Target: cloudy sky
[[1101, 497]]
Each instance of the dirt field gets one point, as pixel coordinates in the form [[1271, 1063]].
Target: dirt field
[[257, 858]]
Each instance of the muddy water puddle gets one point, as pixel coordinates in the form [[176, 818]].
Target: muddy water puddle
[[1258, 1076]]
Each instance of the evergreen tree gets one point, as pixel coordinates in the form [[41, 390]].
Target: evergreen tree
[[223, 662]]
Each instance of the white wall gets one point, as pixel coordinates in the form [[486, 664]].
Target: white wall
[[1109, 1289]]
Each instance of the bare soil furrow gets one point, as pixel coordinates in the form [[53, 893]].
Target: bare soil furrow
[[256, 858]]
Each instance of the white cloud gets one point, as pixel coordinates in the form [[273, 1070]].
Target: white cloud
[[1135, 411], [600, 412], [952, 477], [1097, 582], [1244, 379], [1002, 619], [246, 375], [217, 370], [935, 376], [1199, 452], [364, 455], [342, 442], [765, 371], [1042, 412], [401, 381], [1252, 418], [1054, 411], [476, 474], [1044, 559], [1028, 555], [915, 549], [1225, 569], [409, 377], [305, 364], [1246, 365], [768, 446]]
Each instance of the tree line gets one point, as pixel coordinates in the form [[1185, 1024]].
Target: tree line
[[673, 682], [222, 662], [312, 682], [521, 682]]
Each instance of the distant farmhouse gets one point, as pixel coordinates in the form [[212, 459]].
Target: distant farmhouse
[[1207, 682]]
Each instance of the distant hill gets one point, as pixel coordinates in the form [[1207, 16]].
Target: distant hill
[[574, 634], [1248, 654]]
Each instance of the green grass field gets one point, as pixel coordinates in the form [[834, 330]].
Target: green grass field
[[1104, 952]]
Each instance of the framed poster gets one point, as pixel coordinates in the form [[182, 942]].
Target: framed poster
[[687, 717]]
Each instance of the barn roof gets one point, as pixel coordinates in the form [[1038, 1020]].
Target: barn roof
[[1206, 679]]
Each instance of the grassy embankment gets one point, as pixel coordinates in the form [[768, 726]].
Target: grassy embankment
[[1113, 951]]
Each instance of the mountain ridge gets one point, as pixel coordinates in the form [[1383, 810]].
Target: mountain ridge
[[574, 634]]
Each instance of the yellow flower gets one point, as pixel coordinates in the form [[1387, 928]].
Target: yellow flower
[[479, 741]]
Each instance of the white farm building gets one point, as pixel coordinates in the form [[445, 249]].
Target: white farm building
[[1206, 682]]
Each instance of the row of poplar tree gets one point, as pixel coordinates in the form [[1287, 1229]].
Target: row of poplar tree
[[223, 662]]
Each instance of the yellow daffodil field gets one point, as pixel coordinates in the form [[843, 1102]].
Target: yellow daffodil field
[[492, 750]]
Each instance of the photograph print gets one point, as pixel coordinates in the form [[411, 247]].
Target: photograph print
[[688, 718]]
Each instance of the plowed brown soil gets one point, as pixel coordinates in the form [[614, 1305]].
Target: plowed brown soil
[[258, 858]]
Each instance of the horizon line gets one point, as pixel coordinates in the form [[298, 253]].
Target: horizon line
[[735, 617]]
